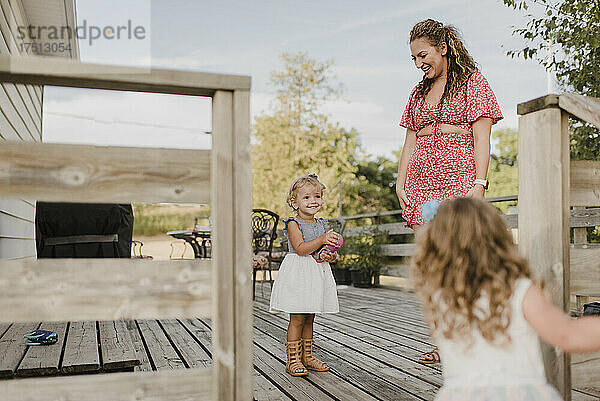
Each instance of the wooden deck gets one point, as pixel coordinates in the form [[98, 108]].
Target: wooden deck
[[371, 345]]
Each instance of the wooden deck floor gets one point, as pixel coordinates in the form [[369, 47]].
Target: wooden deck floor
[[371, 346]]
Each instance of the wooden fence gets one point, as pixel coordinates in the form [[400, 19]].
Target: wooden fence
[[50, 290]]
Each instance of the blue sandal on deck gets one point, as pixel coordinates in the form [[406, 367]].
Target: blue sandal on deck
[[41, 337]]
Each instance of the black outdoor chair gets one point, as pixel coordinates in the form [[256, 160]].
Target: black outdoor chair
[[264, 232]]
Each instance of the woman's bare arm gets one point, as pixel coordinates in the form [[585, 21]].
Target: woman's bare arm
[[556, 328], [410, 142], [482, 129]]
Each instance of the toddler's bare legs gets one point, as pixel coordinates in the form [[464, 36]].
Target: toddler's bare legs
[[308, 359], [307, 328], [296, 326], [293, 345]]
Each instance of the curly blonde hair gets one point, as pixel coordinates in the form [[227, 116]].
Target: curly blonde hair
[[309, 179], [460, 63], [465, 255]]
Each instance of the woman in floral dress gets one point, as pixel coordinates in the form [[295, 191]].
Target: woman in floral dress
[[448, 121]]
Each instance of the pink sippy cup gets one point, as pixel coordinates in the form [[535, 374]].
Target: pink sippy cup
[[332, 248]]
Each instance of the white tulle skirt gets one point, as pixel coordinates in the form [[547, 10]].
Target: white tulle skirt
[[304, 286], [525, 392]]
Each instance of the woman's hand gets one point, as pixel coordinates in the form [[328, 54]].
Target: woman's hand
[[477, 192], [330, 238], [402, 197]]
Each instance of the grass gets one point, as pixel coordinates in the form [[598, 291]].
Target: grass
[[157, 219]]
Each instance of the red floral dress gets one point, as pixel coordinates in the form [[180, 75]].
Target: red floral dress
[[442, 166]]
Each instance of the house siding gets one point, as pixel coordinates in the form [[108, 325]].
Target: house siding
[[20, 120]]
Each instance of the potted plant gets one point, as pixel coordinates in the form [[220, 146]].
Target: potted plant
[[341, 274], [362, 257]]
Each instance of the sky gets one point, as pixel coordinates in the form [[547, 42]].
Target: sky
[[368, 42]]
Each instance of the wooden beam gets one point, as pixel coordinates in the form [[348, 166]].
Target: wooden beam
[[374, 214], [103, 289], [183, 384], [64, 72], [511, 220], [544, 217], [586, 370], [585, 269], [585, 183], [579, 234], [584, 261], [390, 228], [398, 249], [223, 212], [540, 103], [399, 211], [395, 271], [581, 217], [242, 211], [79, 173], [585, 108]]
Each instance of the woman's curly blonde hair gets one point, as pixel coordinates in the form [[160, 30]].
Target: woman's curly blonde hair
[[460, 63], [464, 255]]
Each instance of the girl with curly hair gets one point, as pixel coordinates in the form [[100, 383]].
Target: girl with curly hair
[[485, 311], [448, 121]]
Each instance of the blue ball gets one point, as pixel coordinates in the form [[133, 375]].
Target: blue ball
[[429, 209]]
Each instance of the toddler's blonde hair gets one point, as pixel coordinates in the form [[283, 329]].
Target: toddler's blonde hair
[[309, 179], [465, 254]]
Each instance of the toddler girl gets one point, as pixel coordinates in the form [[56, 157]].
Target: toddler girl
[[304, 286], [484, 310]]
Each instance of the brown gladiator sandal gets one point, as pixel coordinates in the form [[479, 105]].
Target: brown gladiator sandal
[[309, 360], [294, 350]]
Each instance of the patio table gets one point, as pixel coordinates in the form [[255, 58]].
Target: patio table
[[197, 238]]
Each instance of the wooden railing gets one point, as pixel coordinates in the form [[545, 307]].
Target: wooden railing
[[549, 184], [582, 253], [51, 290]]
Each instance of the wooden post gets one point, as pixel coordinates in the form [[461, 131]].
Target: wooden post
[[231, 210], [223, 243], [242, 196], [544, 213]]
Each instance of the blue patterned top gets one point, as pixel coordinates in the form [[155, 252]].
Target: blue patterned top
[[309, 231]]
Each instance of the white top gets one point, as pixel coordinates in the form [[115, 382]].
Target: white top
[[480, 363]]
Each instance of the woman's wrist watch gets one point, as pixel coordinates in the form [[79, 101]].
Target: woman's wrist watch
[[484, 183]]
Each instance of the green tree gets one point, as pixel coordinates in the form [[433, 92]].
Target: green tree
[[372, 187], [503, 172], [296, 137], [572, 27]]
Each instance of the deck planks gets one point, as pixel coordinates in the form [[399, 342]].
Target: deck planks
[[191, 351], [116, 346], [44, 359], [139, 347], [13, 348], [161, 352], [81, 348]]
